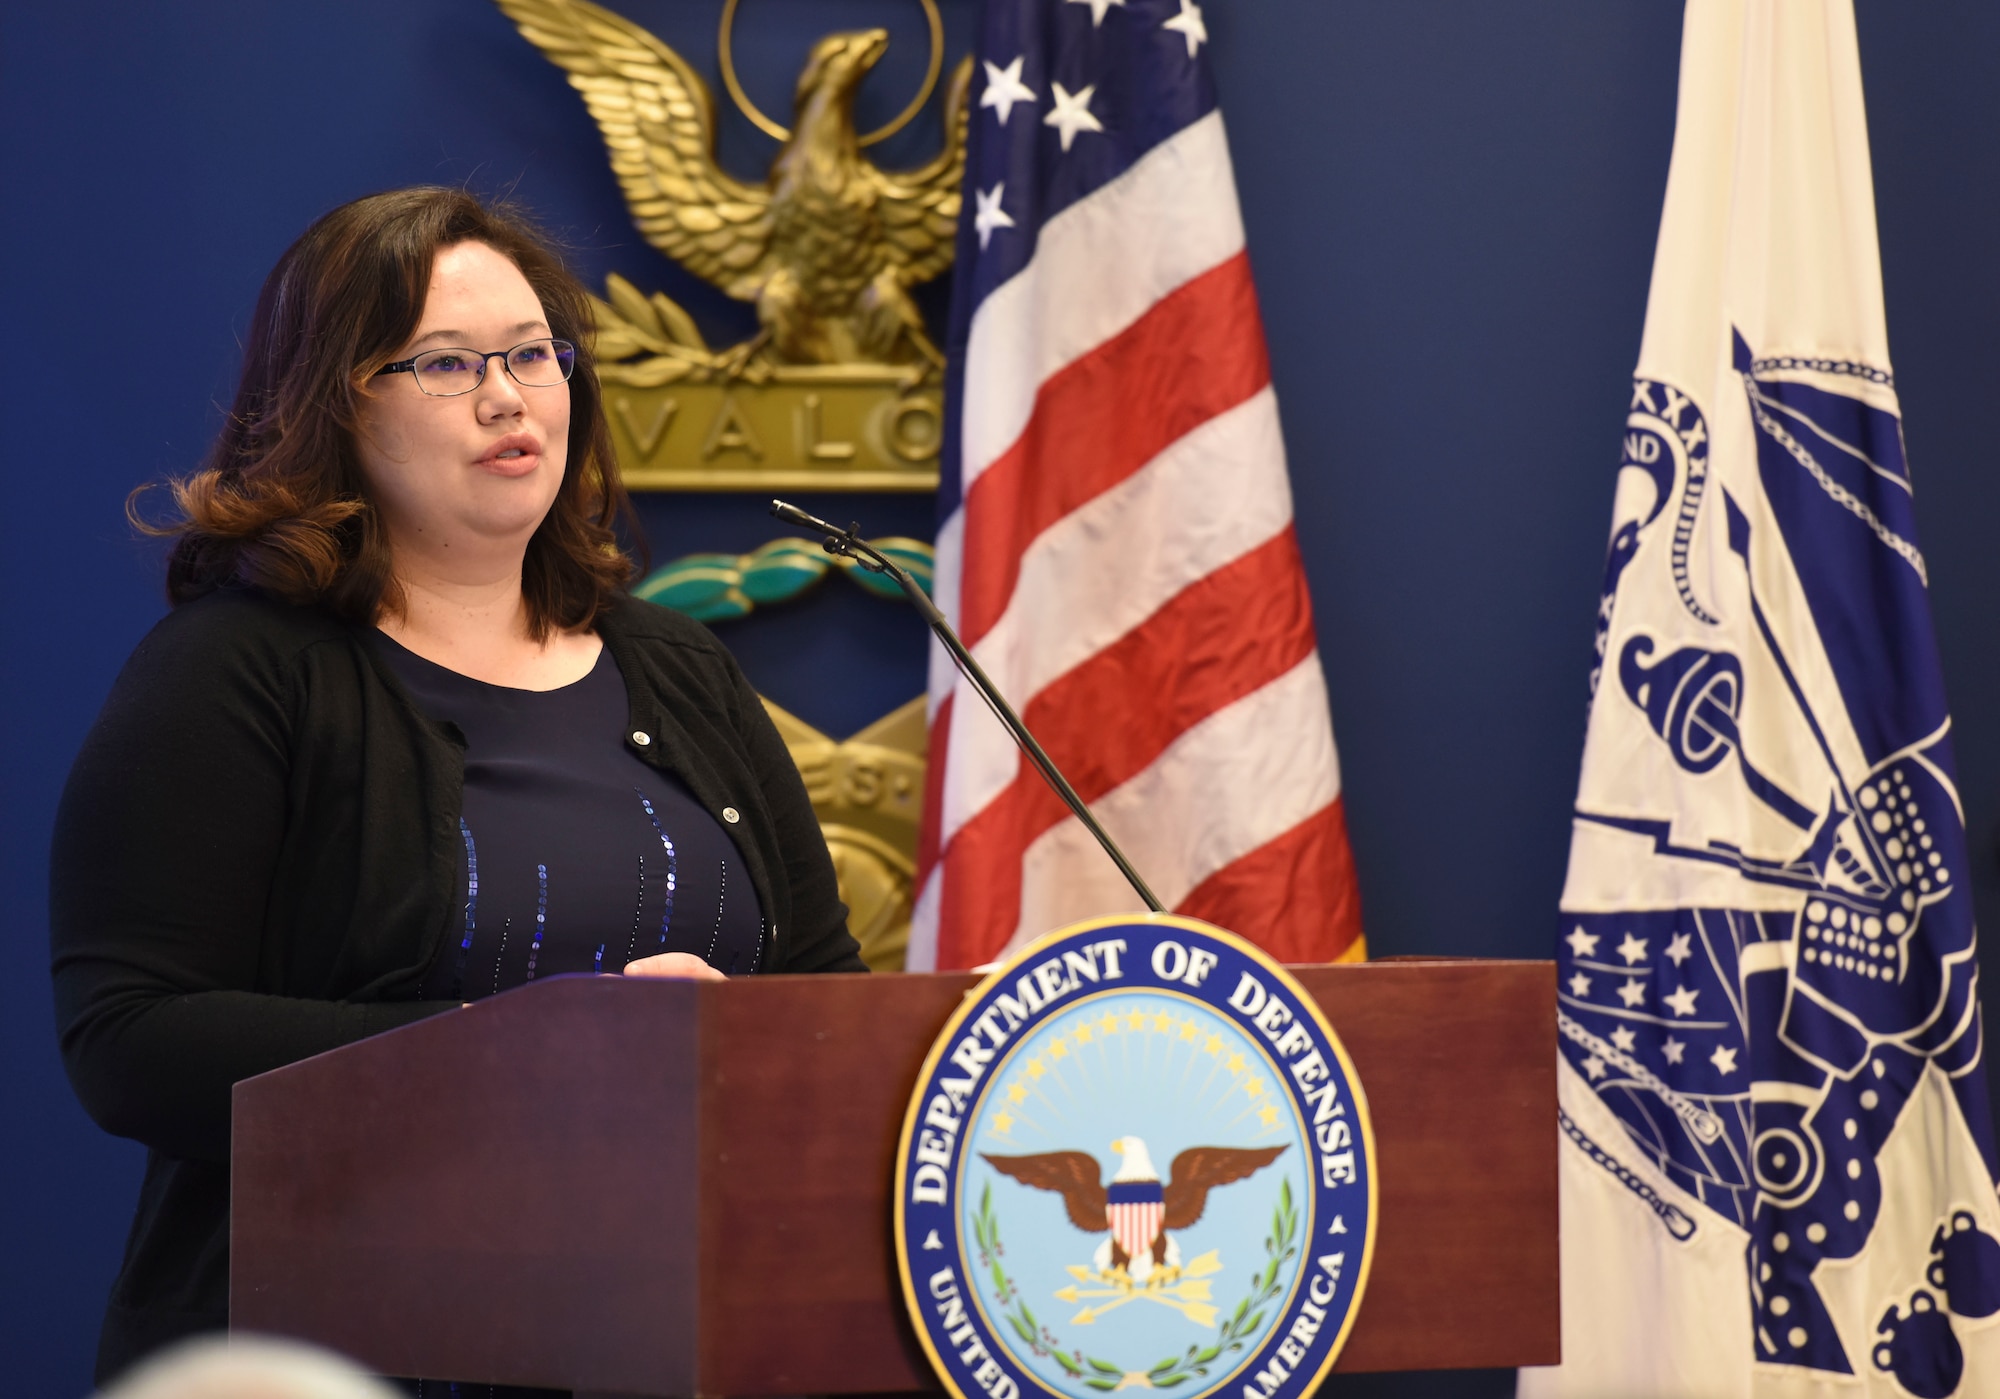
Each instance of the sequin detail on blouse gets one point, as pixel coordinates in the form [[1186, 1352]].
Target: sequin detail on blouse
[[721, 898], [541, 917], [471, 907], [673, 865]]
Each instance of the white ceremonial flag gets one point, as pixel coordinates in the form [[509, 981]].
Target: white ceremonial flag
[[1777, 1163]]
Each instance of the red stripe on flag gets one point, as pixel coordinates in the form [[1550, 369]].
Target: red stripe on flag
[[930, 819], [1225, 636], [1296, 897], [1197, 353]]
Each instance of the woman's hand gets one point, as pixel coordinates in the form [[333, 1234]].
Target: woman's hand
[[684, 966]]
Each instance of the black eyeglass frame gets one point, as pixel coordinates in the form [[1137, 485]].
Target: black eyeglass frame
[[409, 366]]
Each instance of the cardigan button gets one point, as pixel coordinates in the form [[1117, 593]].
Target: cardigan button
[[641, 737], [731, 815]]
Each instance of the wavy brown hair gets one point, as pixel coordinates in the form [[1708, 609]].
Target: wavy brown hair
[[280, 503]]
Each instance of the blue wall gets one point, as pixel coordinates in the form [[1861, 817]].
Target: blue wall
[[1451, 208]]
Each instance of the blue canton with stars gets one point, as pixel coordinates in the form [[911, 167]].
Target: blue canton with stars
[[1763, 1054], [1068, 94]]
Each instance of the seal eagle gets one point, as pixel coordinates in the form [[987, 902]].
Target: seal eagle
[[1135, 1207]]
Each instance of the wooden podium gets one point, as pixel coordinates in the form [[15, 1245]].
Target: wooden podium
[[669, 1188]]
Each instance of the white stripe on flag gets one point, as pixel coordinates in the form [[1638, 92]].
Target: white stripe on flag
[[946, 571], [1207, 500], [1257, 768], [1099, 265], [921, 954]]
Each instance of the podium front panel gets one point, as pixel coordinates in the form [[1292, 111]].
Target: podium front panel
[[499, 1194], [659, 1188]]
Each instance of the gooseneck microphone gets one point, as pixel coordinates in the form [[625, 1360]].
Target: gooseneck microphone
[[848, 543]]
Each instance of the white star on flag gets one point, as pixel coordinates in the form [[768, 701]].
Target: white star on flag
[[1624, 1039], [1724, 1060], [1678, 948], [1072, 112], [1097, 9], [1632, 949], [1579, 985], [1594, 1066], [1633, 993], [990, 215], [1581, 943], [1673, 1049], [1683, 1001], [1004, 88], [1188, 22]]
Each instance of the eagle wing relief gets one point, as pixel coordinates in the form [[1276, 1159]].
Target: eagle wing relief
[[920, 207], [1074, 1175], [658, 122], [1200, 1169]]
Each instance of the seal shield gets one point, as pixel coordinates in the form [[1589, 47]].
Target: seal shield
[[1137, 1157]]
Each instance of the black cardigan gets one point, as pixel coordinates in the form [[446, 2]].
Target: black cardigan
[[257, 857]]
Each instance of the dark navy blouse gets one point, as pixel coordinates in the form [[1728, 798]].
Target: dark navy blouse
[[579, 857]]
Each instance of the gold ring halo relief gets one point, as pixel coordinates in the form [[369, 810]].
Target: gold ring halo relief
[[784, 133]]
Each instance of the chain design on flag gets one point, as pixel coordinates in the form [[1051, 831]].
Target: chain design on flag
[[1677, 1221], [1659, 436], [1683, 533], [1694, 440], [1826, 366], [1834, 489], [1704, 1124]]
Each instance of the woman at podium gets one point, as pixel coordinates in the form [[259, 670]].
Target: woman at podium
[[404, 740]]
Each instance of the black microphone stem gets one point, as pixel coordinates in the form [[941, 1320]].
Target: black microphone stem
[[847, 542]]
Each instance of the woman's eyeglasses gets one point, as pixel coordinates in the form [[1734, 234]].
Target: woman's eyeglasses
[[533, 364]]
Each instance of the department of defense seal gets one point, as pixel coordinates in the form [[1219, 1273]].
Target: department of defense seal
[[1137, 1157]]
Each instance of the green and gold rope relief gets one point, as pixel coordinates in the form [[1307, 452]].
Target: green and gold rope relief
[[719, 587]]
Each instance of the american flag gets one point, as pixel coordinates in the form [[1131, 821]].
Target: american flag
[[1115, 540]]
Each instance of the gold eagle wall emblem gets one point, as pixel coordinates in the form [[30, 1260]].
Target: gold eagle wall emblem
[[827, 248]]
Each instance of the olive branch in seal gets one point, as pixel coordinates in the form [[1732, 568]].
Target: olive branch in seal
[[1231, 1336]]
